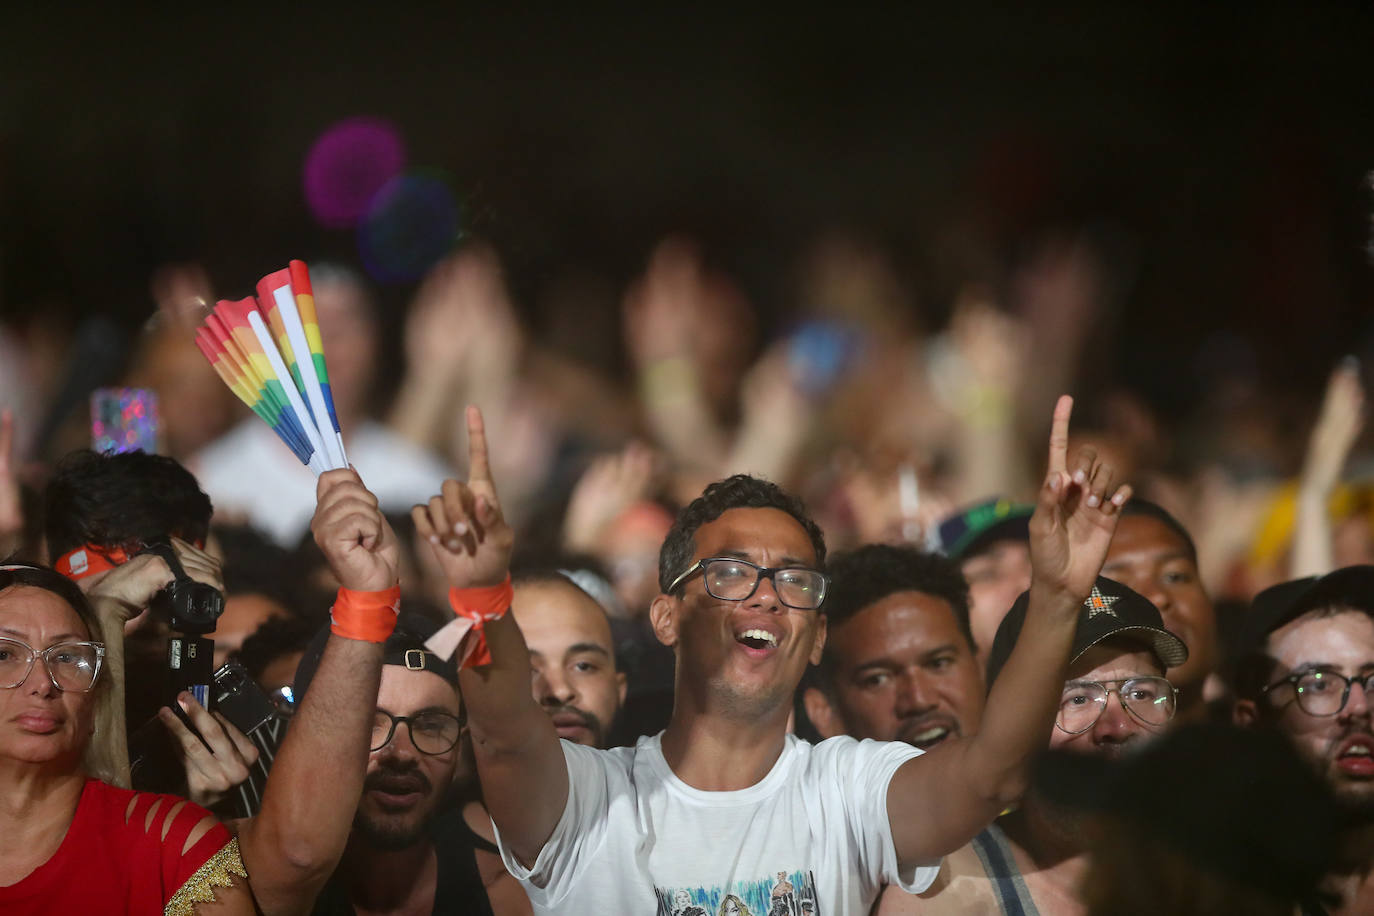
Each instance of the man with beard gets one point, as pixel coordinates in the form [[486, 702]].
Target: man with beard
[[406, 853], [723, 797], [572, 655], [899, 661], [1307, 670], [1032, 859]]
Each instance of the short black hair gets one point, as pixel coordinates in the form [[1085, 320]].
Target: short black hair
[[274, 638], [256, 565], [122, 500], [867, 575], [738, 492], [1136, 506]]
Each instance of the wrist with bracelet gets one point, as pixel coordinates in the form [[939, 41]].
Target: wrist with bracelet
[[365, 616], [473, 608]]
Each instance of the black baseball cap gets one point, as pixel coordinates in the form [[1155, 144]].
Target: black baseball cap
[[975, 527], [1351, 586], [405, 647], [1111, 610]]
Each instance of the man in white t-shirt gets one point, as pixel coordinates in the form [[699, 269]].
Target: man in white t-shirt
[[723, 805]]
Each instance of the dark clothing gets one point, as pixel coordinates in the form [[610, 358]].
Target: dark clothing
[[459, 891]]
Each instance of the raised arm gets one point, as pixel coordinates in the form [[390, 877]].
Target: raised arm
[[293, 845], [1328, 449], [11, 506], [938, 802], [519, 760]]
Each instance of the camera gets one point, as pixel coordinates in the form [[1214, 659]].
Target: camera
[[189, 606], [191, 609]]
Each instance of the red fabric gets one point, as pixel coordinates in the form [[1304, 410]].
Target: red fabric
[[88, 559], [107, 865]]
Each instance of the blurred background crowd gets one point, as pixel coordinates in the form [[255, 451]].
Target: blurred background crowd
[[859, 255]]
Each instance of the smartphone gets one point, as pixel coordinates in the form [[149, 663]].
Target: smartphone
[[124, 420], [239, 699]]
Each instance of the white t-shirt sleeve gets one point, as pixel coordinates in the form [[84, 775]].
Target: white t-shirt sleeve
[[866, 769], [580, 833]]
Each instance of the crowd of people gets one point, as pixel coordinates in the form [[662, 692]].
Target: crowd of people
[[858, 616]]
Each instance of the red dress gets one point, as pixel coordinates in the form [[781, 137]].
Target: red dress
[[122, 854]]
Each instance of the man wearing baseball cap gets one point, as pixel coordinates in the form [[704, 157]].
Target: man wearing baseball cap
[[1115, 698], [406, 852], [991, 543], [1306, 670]]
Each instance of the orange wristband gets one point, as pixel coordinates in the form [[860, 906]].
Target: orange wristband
[[479, 605], [365, 616]]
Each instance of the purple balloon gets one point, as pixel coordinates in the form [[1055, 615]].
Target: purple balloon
[[348, 164]]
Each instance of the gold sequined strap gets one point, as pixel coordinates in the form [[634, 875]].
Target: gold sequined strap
[[218, 871]]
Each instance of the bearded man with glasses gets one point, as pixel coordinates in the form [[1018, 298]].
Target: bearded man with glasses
[[1115, 698], [406, 852], [1305, 670]]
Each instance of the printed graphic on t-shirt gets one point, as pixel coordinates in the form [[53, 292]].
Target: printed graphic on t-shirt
[[784, 894]]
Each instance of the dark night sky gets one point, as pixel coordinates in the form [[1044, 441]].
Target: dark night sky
[[1222, 152]]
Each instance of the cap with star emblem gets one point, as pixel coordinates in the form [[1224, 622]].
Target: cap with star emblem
[[1110, 610]]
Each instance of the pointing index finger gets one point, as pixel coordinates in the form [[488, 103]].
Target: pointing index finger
[[478, 467], [1059, 435]]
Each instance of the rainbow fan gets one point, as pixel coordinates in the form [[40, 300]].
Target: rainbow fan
[[269, 352]]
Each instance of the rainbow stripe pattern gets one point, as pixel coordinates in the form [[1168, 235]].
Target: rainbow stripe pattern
[[268, 351]]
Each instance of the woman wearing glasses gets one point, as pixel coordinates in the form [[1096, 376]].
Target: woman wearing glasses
[[68, 841]]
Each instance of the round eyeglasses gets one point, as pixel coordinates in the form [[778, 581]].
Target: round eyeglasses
[[1150, 701], [1323, 693], [432, 733], [72, 666], [731, 579]]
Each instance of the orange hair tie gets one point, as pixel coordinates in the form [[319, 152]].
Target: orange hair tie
[[365, 616], [479, 605]]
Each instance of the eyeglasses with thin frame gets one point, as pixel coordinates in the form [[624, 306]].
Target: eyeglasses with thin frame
[[1151, 701], [431, 732], [1316, 691], [71, 666], [733, 579]]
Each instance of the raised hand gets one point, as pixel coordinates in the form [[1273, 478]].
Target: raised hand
[[11, 509], [609, 486], [464, 524], [461, 313], [1338, 426], [659, 307], [360, 546], [1076, 515]]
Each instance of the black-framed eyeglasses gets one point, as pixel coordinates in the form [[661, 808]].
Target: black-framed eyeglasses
[[432, 732], [1150, 701], [732, 579], [71, 666], [1323, 693]]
